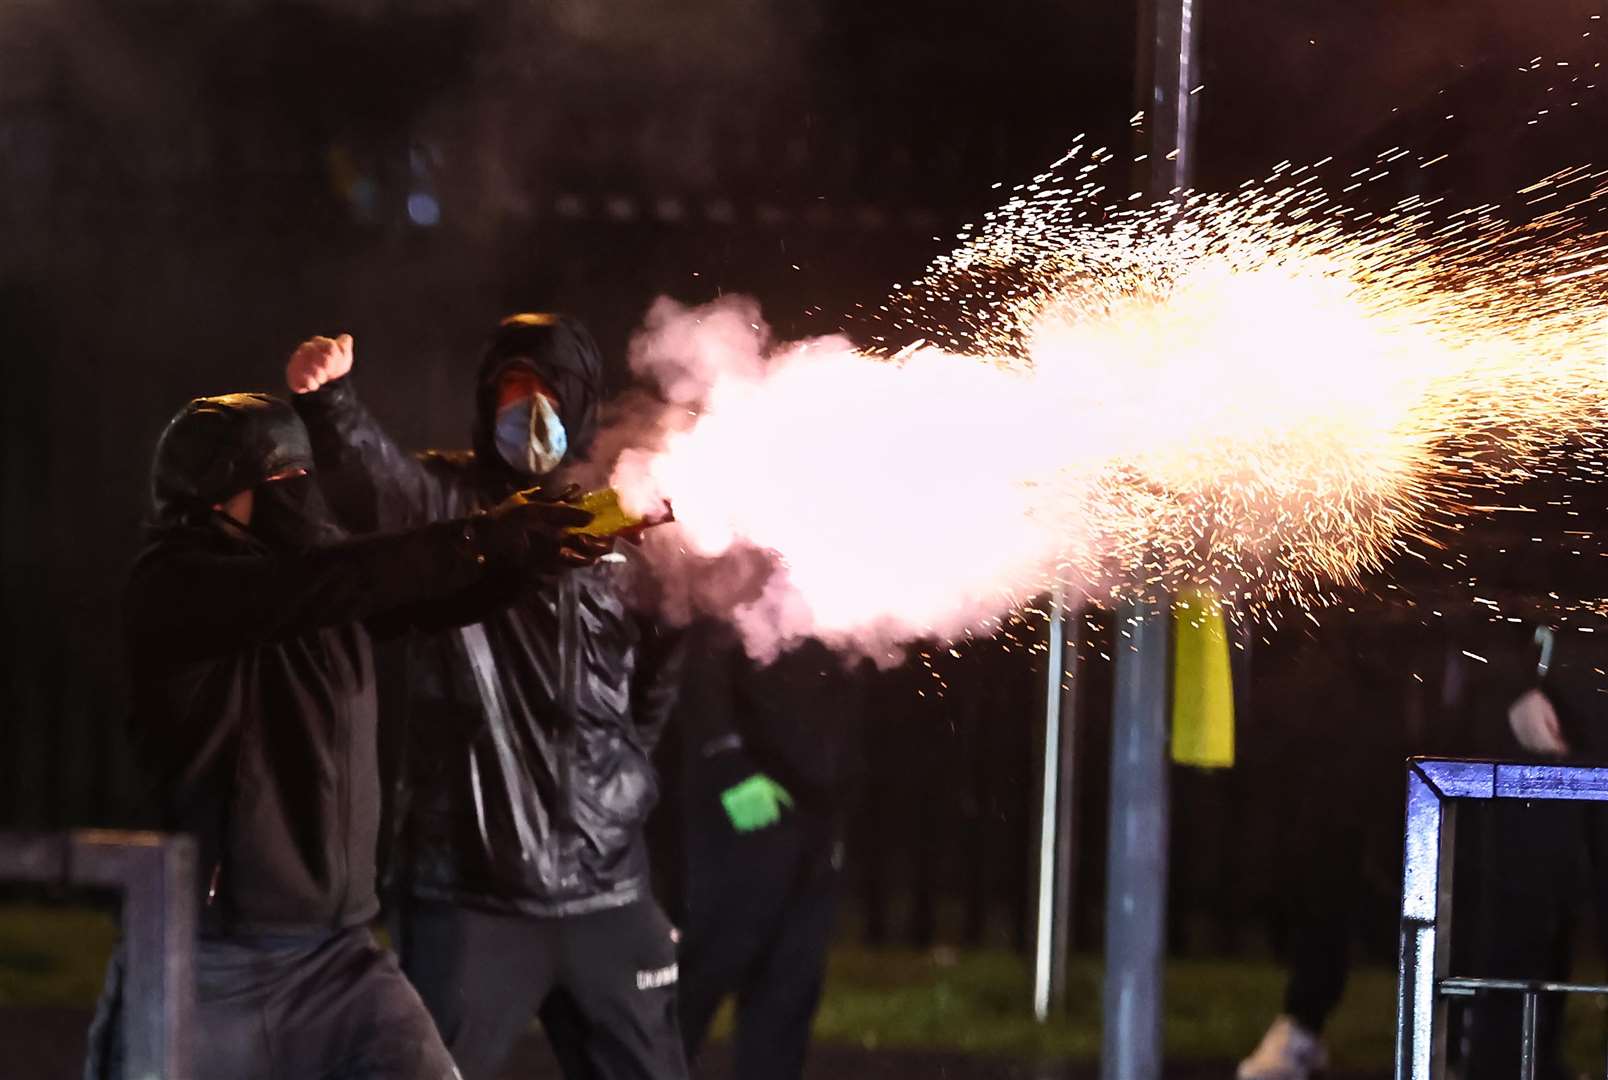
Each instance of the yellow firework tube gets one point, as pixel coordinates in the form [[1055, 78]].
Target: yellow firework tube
[[609, 518]]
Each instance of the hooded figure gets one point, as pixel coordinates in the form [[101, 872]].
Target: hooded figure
[[558, 352], [523, 869], [217, 447], [248, 634], [767, 767]]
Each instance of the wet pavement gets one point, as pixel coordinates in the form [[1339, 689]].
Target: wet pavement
[[38, 1043]]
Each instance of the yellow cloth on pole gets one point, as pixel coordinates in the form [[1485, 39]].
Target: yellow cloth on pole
[[1203, 684]]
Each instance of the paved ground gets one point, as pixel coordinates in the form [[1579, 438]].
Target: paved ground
[[39, 1043]]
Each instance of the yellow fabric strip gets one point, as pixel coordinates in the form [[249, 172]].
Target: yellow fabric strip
[[1203, 684]]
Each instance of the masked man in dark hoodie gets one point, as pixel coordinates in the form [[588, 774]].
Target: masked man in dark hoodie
[[524, 872], [248, 625]]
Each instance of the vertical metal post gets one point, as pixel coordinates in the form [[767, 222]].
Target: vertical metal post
[[159, 929], [1527, 1038], [156, 875], [1056, 847], [1136, 878], [1066, 835], [1425, 902], [1043, 939], [1136, 860], [1166, 71]]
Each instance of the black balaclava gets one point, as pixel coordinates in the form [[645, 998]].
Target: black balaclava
[[217, 447], [559, 350], [290, 514]]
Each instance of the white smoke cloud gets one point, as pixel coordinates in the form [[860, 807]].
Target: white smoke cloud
[[823, 493]]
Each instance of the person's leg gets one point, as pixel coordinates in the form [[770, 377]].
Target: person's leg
[[1325, 862], [569, 1034], [1535, 853], [1313, 749], [233, 985], [480, 975], [1320, 960], [1597, 842], [737, 892], [776, 1005], [711, 967], [345, 1012], [616, 1017], [103, 1058]]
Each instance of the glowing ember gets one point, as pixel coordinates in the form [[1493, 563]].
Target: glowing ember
[[1267, 392]]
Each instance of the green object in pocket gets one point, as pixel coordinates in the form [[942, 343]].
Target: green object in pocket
[[756, 803]]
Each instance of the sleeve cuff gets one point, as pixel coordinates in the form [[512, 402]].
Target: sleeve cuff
[[335, 394]]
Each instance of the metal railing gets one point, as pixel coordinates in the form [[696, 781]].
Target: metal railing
[[155, 874], [1435, 786]]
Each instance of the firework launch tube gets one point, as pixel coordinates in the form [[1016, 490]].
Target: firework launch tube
[[609, 518]]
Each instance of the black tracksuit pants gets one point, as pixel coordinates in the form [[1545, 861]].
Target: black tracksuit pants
[[330, 1007], [1542, 864], [603, 983], [759, 918]]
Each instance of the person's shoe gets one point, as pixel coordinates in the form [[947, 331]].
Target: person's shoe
[[1287, 1052]]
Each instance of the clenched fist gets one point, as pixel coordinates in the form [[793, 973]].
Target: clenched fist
[[1535, 724], [317, 361]]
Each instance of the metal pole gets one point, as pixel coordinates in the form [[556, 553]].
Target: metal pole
[[156, 875], [1043, 938], [1136, 875], [1136, 857], [1066, 846], [1527, 1038], [1166, 78], [1426, 901], [1055, 839]]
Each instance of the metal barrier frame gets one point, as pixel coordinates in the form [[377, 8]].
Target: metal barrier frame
[[1434, 786], [155, 872]]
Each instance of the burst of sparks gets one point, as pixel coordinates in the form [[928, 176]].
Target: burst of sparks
[[1267, 392]]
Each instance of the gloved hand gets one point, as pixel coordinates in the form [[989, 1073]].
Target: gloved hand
[[318, 360], [1535, 724], [755, 803], [533, 531]]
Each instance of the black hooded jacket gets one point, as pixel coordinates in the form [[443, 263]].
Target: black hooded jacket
[[798, 719], [251, 666], [532, 801]]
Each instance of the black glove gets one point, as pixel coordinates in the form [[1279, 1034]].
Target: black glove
[[531, 532]]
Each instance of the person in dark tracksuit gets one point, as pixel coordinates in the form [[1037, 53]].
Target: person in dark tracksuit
[[1540, 863], [1335, 709], [1542, 696], [769, 762], [248, 626], [524, 886]]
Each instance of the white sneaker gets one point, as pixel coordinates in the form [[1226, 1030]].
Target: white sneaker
[[1287, 1052]]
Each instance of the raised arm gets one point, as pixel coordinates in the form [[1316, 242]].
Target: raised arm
[[370, 483]]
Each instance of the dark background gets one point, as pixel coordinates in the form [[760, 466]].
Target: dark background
[[189, 188]]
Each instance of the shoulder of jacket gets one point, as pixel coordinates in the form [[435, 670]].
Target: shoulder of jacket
[[167, 565], [185, 542], [456, 479], [448, 461]]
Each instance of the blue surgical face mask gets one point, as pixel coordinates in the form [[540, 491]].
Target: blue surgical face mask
[[530, 436]]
